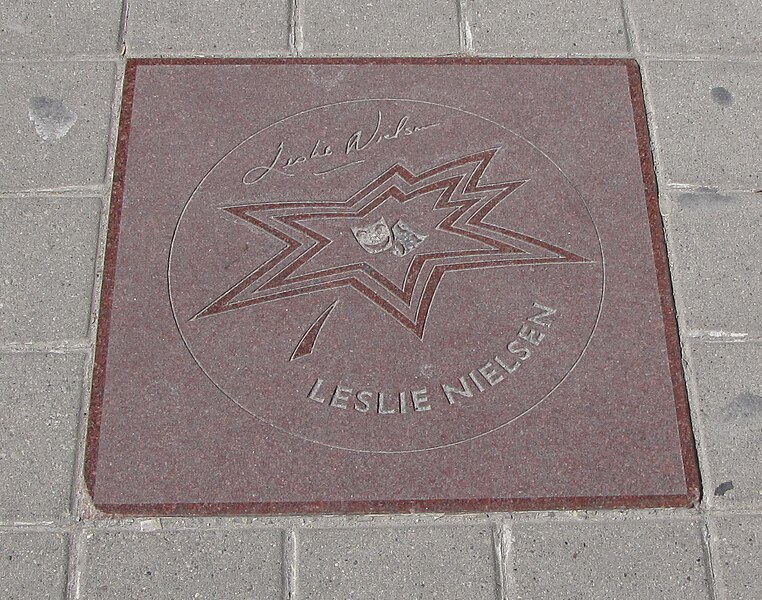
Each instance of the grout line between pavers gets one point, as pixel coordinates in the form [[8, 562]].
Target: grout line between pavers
[[698, 427], [630, 31], [122, 35], [464, 26], [74, 564], [85, 191], [89, 523], [295, 29], [391, 521], [36, 527], [77, 493], [70, 58], [607, 515], [116, 105], [74, 346], [696, 188], [711, 575], [296, 49], [290, 564], [507, 586], [711, 336]]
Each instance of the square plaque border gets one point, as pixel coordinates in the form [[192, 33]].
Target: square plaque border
[[691, 471]]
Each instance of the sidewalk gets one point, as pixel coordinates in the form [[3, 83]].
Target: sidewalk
[[702, 69]]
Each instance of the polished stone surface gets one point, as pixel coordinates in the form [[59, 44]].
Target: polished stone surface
[[378, 286]]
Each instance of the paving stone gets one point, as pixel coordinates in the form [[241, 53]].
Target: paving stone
[[728, 394], [566, 28], [698, 28], [56, 124], [457, 563], [386, 27], [205, 564], [736, 542], [715, 240], [47, 253], [30, 28], [353, 338], [185, 27], [609, 560], [32, 565], [707, 122], [40, 395]]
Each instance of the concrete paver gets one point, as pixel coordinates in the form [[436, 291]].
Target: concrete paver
[[47, 250], [728, 396], [183, 564], [737, 549], [457, 563], [609, 560], [40, 396], [56, 124], [385, 27], [51, 29], [33, 565], [707, 122], [696, 28], [715, 240], [567, 28], [184, 27]]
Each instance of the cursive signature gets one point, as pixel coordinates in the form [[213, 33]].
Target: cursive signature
[[282, 162]]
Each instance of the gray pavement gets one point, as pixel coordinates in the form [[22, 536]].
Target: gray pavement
[[702, 65]]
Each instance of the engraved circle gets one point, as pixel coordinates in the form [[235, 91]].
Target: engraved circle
[[292, 298]]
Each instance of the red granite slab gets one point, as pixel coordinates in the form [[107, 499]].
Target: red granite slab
[[386, 285]]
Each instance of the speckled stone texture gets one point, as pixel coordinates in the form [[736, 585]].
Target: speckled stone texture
[[696, 106], [41, 397], [49, 29], [397, 562], [737, 552], [568, 28], [183, 27], [609, 560], [728, 392], [33, 565], [715, 239], [390, 290], [182, 564], [698, 28], [352, 27], [56, 124], [47, 251]]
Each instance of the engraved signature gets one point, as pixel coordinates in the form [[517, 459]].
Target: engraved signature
[[359, 141]]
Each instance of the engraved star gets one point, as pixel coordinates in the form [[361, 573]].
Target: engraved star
[[314, 261]]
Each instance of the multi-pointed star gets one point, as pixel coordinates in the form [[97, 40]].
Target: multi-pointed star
[[320, 253]]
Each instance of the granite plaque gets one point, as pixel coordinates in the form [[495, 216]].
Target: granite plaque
[[386, 285]]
